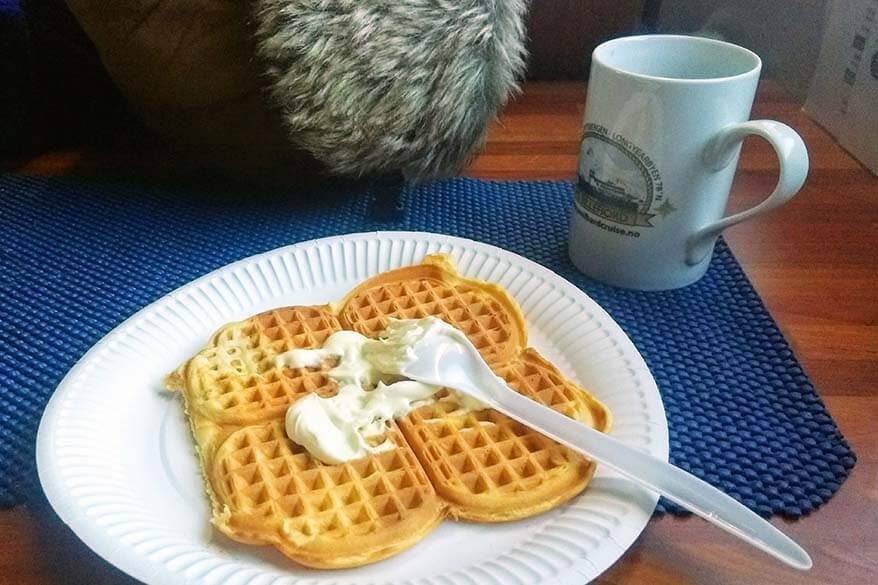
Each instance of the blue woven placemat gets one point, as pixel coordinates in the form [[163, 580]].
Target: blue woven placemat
[[78, 256]]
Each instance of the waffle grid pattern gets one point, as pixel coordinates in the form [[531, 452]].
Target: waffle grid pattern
[[536, 378], [484, 322], [245, 384], [476, 453], [78, 256], [484, 451], [268, 490], [477, 469], [267, 476]]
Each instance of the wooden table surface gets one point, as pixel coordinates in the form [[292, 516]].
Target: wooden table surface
[[815, 264]]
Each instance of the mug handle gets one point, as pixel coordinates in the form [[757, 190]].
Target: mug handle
[[721, 151]]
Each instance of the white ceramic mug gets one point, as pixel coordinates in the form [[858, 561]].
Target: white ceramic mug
[[664, 122]]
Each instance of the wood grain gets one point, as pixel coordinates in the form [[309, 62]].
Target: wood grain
[[815, 265]]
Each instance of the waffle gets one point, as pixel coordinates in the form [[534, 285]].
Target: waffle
[[234, 380], [265, 489], [483, 311], [491, 468], [447, 461], [321, 515]]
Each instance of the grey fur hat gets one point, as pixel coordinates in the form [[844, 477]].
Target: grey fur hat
[[376, 86]]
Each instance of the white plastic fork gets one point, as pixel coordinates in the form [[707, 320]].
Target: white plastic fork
[[455, 363]]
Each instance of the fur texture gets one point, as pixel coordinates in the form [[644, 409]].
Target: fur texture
[[374, 86]]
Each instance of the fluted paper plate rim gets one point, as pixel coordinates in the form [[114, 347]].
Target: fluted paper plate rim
[[135, 514]]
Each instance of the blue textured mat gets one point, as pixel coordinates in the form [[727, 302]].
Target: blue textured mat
[[79, 256]]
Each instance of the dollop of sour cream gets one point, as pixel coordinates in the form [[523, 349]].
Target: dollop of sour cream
[[371, 390]]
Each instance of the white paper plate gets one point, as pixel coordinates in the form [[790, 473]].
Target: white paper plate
[[116, 461]]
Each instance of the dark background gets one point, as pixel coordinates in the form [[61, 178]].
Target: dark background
[[55, 93]]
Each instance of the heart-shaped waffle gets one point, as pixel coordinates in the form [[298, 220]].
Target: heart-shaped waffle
[[266, 489]]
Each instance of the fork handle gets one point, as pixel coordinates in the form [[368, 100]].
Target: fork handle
[[668, 480]]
